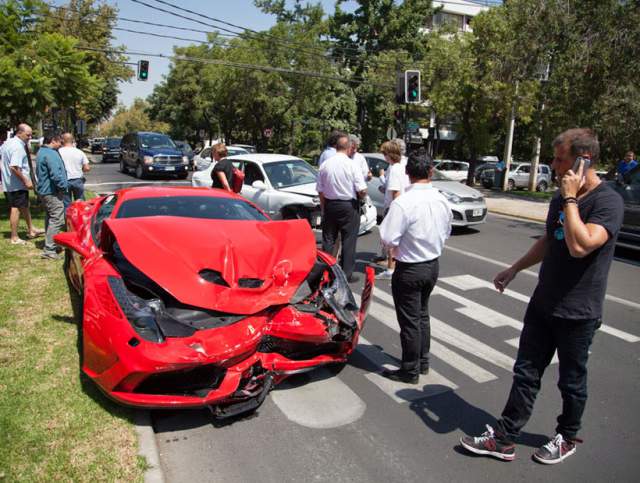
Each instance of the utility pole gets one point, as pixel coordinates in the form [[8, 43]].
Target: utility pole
[[509, 143], [535, 162]]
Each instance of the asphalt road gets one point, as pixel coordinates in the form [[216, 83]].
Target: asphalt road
[[356, 426]]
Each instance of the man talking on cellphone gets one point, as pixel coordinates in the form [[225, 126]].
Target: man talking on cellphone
[[565, 310]]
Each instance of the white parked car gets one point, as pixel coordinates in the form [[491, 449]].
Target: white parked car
[[202, 160], [467, 204], [283, 186], [455, 170]]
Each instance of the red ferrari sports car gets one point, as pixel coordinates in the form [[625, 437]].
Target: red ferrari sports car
[[193, 297]]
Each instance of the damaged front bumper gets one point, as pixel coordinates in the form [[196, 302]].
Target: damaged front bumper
[[231, 369]]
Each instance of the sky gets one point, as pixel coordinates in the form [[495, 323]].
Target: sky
[[239, 12]]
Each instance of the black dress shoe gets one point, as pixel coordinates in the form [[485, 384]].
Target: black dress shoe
[[424, 370], [400, 376], [353, 279]]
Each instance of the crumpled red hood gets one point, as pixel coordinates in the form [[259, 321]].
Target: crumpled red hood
[[172, 251]]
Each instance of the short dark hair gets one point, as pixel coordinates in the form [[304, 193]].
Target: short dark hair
[[581, 141], [50, 137], [336, 134], [419, 164]]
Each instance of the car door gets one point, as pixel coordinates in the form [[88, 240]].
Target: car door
[[521, 176], [252, 173], [374, 184]]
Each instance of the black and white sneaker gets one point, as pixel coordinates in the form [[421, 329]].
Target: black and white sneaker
[[487, 444], [555, 450]]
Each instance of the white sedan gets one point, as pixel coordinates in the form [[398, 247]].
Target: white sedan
[[455, 170], [203, 159], [283, 186]]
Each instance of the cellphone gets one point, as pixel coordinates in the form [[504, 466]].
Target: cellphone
[[576, 165]]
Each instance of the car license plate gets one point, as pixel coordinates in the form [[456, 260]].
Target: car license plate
[[477, 212], [170, 168]]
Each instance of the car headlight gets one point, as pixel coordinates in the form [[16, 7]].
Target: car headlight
[[185, 160], [451, 197], [148, 159], [340, 298], [140, 313]]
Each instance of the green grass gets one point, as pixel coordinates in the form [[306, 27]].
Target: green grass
[[54, 423]]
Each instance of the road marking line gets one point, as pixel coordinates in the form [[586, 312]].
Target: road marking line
[[322, 403], [480, 313], [611, 298], [429, 385], [387, 316], [469, 282]]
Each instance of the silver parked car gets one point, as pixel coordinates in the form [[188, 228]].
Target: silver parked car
[[467, 204], [519, 177], [283, 186]]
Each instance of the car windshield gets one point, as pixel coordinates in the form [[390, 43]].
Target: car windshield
[[292, 172], [438, 176], [234, 151], [113, 142], [184, 147], [205, 207], [156, 141]]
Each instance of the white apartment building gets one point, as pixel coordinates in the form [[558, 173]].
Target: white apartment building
[[458, 12]]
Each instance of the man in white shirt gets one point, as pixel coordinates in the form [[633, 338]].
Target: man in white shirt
[[339, 185], [76, 164], [330, 149], [359, 159], [415, 229]]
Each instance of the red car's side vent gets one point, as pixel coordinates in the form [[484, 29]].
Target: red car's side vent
[[195, 381], [213, 276], [250, 282]]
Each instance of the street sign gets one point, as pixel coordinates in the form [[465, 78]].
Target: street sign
[[391, 133], [268, 132], [81, 127], [413, 126]]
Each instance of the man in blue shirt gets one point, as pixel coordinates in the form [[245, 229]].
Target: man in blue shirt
[[627, 164], [16, 182], [52, 185]]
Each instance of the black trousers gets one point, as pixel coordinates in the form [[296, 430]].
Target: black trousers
[[411, 285], [541, 336], [341, 217]]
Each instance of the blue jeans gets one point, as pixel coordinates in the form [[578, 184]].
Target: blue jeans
[[541, 336], [74, 192]]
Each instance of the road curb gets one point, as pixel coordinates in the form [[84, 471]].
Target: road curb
[[514, 215], [148, 448]]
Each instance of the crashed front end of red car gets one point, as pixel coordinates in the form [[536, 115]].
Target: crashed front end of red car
[[218, 329]]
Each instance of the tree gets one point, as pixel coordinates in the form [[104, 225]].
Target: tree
[[134, 118], [92, 25], [39, 71]]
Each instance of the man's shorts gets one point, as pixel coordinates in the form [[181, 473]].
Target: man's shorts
[[17, 199]]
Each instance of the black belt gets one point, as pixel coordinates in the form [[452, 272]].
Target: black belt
[[426, 262], [341, 201]]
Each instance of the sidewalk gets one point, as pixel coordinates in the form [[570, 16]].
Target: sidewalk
[[505, 204]]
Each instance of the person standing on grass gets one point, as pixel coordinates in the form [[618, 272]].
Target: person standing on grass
[[16, 182], [584, 218], [76, 165], [414, 232], [52, 186]]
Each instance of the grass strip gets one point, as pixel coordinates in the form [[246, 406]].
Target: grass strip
[[54, 423]]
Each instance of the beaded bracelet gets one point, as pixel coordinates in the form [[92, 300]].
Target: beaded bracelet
[[570, 199]]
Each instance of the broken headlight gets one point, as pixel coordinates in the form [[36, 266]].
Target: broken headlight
[[140, 313], [340, 298]]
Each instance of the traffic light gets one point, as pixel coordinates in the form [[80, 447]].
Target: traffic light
[[143, 70], [412, 86]]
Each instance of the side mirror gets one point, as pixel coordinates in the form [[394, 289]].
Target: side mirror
[[207, 159], [259, 185], [70, 240]]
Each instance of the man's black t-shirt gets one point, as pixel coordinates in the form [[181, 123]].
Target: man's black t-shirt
[[574, 288], [226, 167]]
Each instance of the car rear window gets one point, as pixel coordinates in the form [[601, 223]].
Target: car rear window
[[206, 207]]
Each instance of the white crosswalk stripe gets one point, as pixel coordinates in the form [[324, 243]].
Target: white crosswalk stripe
[[469, 282], [429, 385]]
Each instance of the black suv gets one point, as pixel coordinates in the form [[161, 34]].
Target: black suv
[[629, 188], [152, 153], [111, 150]]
